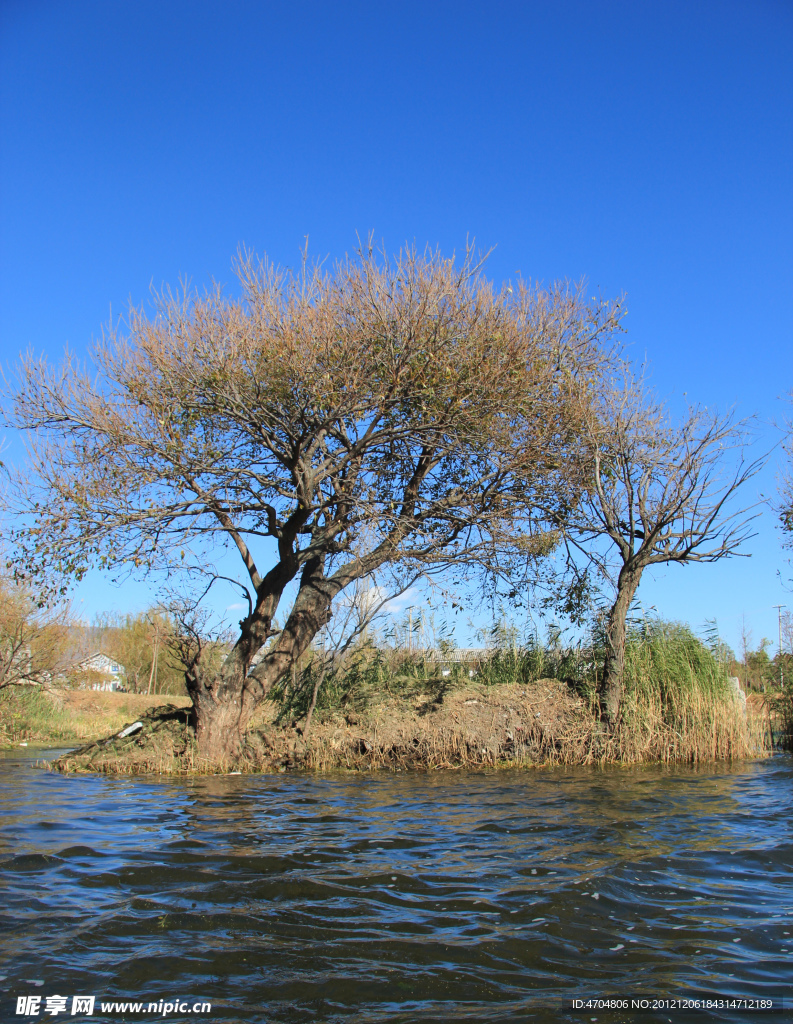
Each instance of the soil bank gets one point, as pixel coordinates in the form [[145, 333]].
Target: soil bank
[[540, 723]]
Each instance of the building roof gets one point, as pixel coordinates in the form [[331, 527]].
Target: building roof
[[100, 662]]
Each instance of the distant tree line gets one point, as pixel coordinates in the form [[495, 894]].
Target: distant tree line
[[48, 647]]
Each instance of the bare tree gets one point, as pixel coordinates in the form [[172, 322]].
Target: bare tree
[[655, 492], [34, 642], [402, 401]]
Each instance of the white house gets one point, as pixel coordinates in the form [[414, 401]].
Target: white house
[[112, 674]]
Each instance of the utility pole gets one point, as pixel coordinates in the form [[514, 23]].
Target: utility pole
[[153, 673], [779, 608]]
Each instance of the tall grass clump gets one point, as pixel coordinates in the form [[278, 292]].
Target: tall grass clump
[[533, 661], [28, 713], [780, 707], [678, 703], [367, 675], [524, 663]]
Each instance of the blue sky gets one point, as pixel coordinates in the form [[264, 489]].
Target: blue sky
[[646, 146]]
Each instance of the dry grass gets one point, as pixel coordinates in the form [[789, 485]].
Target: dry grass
[[541, 723], [536, 724], [60, 717], [164, 746], [779, 708], [678, 707]]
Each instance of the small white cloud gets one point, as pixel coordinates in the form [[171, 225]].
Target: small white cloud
[[234, 607], [400, 604], [372, 596]]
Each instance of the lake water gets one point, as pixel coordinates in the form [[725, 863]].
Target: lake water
[[443, 897]]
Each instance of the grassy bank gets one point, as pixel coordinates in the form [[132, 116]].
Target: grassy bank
[[69, 717], [527, 706]]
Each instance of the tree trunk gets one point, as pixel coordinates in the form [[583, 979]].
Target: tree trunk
[[612, 684], [224, 704], [220, 718]]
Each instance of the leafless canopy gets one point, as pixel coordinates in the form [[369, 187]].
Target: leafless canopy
[[659, 491]]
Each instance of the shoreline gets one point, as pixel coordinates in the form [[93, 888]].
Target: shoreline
[[538, 724]]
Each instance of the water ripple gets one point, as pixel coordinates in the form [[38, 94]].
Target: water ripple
[[439, 897]]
